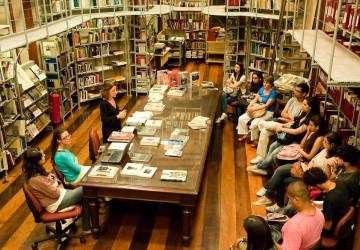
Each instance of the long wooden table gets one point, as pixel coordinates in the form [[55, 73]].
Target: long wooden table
[[178, 111]]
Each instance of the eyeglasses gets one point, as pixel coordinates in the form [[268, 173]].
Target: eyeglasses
[[66, 137]]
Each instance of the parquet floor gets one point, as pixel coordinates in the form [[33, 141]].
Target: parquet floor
[[225, 200]]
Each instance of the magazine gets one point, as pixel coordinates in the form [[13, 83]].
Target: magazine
[[103, 171], [173, 175], [140, 157]]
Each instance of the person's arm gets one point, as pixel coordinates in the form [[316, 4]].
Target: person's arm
[[292, 131], [306, 136], [65, 159], [328, 212], [262, 106], [241, 81], [44, 185], [285, 115], [314, 150]]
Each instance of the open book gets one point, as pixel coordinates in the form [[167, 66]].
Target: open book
[[103, 171], [138, 169]]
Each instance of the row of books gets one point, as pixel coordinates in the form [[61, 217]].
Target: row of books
[[187, 15], [33, 129], [195, 35], [266, 24], [195, 54], [89, 80], [84, 67], [185, 25], [6, 70], [86, 95], [67, 74], [261, 50], [103, 22], [92, 51], [66, 59], [259, 64], [264, 37], [7, 92], [349, 16], [195, 45]]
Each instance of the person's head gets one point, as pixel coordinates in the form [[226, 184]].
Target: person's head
[[301, 90], [331, 142], [347, 155], [310, 105], [258, 233], [33, 163], [298, 194], [317, 124], [268, 82], [315, 177], [60, 137], [256, 78], [239, 69], [108, 90]]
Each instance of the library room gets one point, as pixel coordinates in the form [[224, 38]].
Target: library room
[[180, 124]]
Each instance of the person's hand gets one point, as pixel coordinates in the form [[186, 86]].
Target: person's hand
[[278, 129], [244, 96], [250, 110], [296, 170], [301, 151], [122, 114]]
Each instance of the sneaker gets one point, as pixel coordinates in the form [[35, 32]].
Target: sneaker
[[251, 168], [256, 160], [261, 192], [221, 118], [273, 208], [262, 201], [259, 171]]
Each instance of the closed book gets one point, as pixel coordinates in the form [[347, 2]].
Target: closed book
[[103, 171], [150, 141], [146, 131], [173, 175], [153, 123], [132, 168], [121, 136]]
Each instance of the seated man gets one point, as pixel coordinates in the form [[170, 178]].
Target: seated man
[[292, 109], [303, 230], [347, 157], [336, 198]]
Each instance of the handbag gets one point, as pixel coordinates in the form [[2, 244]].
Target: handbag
[[230, 91], [285, 138], [289, 153], [257, 113]]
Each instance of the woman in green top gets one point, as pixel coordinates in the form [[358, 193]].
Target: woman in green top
[[66, 161]]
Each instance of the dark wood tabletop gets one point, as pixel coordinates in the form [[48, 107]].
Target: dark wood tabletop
[[178, 112]]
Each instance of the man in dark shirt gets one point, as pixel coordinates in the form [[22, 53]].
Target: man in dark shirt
[[336, 198], [347, 158]]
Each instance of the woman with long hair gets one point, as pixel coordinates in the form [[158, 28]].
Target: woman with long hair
[[236, 85], [47, 188], [109, 111], [66, 162]]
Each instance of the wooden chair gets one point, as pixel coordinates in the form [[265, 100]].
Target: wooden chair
[[343, 230], [41, 215], [94, 144]]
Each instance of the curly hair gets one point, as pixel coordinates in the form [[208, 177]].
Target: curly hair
[[31, 166]]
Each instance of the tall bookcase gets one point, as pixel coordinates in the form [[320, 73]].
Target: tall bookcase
[[142, 60], [51, 10], [100, 55], [235, 43], [12, 127], [59, 64]]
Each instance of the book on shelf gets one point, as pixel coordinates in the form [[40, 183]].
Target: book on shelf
[[39, 73], [174, 152], [153, 123], [35, 110], [140, 157], [34, 93], [138, 169], [173, 175], [119, 136], [26, 100], [146, 131], [150, 141], [103, 171]]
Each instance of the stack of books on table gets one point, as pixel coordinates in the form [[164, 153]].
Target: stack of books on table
[[153, 123], [129, 129], [103, 171], [207, 84], [146, 131], [140, 157], [150, 141], [173, 175], [143, 114], [199, 122], [138, 169], [177, 91], [155, 97], [120, 136], [135, 121], [154, 106], [158, 88]]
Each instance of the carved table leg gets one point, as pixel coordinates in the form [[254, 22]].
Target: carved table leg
[[186, 224], [94, 213]]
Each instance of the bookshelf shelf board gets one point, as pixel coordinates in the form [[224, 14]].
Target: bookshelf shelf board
[[261, 42], [33, 119], [90, 99], [73, 92], [10, 140], [256, 69], [91, 86], [260, 56], [212, 60], [35, 101], [32, 138], [7, 123], [220, 10], [6, 80], [344, 61]]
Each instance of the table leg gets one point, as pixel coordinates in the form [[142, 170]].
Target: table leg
[[94, 214], [186, 224]]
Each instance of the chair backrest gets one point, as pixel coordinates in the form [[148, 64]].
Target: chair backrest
[[33, 203], [59, 175], [94, 144], [345, 225]]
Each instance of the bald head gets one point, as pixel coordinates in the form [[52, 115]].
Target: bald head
[[298, 189]]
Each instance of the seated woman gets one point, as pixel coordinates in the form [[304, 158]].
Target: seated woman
[[235, 84], [45, 186], [294, 132], [109, 111], [66, 161], [310, 146], [266, 96], [258, 235]]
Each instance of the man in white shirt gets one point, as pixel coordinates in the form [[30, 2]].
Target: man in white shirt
[[292, 109]]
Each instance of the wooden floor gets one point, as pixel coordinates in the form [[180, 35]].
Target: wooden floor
[[225, 200]]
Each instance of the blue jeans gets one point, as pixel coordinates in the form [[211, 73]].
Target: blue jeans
[[225, 100], [73, 197], [270, 158], [278, 182]]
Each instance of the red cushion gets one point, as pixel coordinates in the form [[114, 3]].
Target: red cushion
[[328, 242], [51, 217]]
